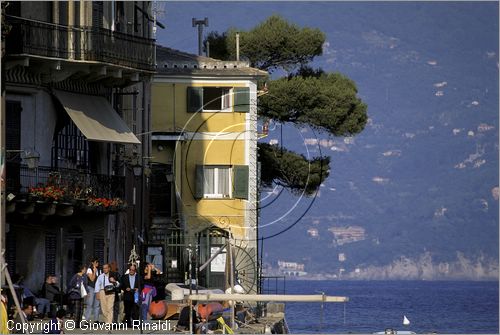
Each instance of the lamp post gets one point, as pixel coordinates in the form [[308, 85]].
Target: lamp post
[[137, 171], [32, 158]]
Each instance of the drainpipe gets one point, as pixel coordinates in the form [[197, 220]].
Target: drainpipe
[[71, 23], [112, 15]]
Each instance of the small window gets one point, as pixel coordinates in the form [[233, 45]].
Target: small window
[[216, 98], [209, 99], [216, 182]]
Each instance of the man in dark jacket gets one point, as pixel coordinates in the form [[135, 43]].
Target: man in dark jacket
[[50, 290], [130, 287]]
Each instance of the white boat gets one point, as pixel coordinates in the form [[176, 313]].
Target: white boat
[[391, 331]]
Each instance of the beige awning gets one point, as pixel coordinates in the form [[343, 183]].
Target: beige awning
[[95, 118]]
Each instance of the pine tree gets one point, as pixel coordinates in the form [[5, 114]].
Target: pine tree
[[327, 102]]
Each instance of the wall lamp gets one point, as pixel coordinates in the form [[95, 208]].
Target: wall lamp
[[32, 158]]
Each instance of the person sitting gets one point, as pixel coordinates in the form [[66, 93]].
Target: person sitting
[[42, 304], [22, 317], [197, 322], [50, 290]]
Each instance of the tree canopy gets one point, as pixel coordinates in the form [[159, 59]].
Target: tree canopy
[[272, 44], [327, 102], [292, 170]]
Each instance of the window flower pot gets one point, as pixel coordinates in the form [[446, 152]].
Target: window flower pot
[[25, 207], [46, 209], [65, 209]]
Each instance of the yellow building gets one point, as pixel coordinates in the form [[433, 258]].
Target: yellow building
[[204, 171]]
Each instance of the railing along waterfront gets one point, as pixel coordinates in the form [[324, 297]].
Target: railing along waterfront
[[272, 285], [32, 37], [20, 179]]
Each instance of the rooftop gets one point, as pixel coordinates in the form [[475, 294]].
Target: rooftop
[[174, 62]]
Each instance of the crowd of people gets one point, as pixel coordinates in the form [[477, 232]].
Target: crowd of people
[[91, 292], [94, 291]]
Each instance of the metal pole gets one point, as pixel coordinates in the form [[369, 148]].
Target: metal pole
[[237, 47], [322, 310], [3, 163], [12, 291], [61, 263], [190, 291], [200, 40], [269, 297], [196, 267], [231, 279]]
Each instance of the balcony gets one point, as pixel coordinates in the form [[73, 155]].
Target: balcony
[[37, 38], [85, 190]]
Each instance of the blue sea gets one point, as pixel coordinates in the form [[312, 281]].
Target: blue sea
[[446, 307]]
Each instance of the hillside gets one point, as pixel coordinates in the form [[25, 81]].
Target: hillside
[[420, 178]]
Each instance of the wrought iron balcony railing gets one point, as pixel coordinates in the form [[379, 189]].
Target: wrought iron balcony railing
[[31, 37], [20, 179]]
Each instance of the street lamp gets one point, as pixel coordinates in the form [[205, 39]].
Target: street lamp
[[137, 170], [32, 158]]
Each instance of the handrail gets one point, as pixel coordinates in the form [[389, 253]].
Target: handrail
[[87, 43], [267, 297], [20, 179]]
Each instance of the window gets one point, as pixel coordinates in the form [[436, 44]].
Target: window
[[214, 99], [70, 149], [216, 182]]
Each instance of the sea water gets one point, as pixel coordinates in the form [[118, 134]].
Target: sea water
[[455, 307]]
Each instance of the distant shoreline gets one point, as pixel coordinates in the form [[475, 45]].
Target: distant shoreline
[[326, 278]]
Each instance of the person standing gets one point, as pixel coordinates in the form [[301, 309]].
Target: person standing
[[105, 288], [117, 306], [149, 289], [91, 301], [130, 287], [75, 293]]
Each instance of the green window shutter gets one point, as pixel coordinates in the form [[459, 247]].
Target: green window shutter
[[240, 181], [198, 192], [241, 99], [194, 99]]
